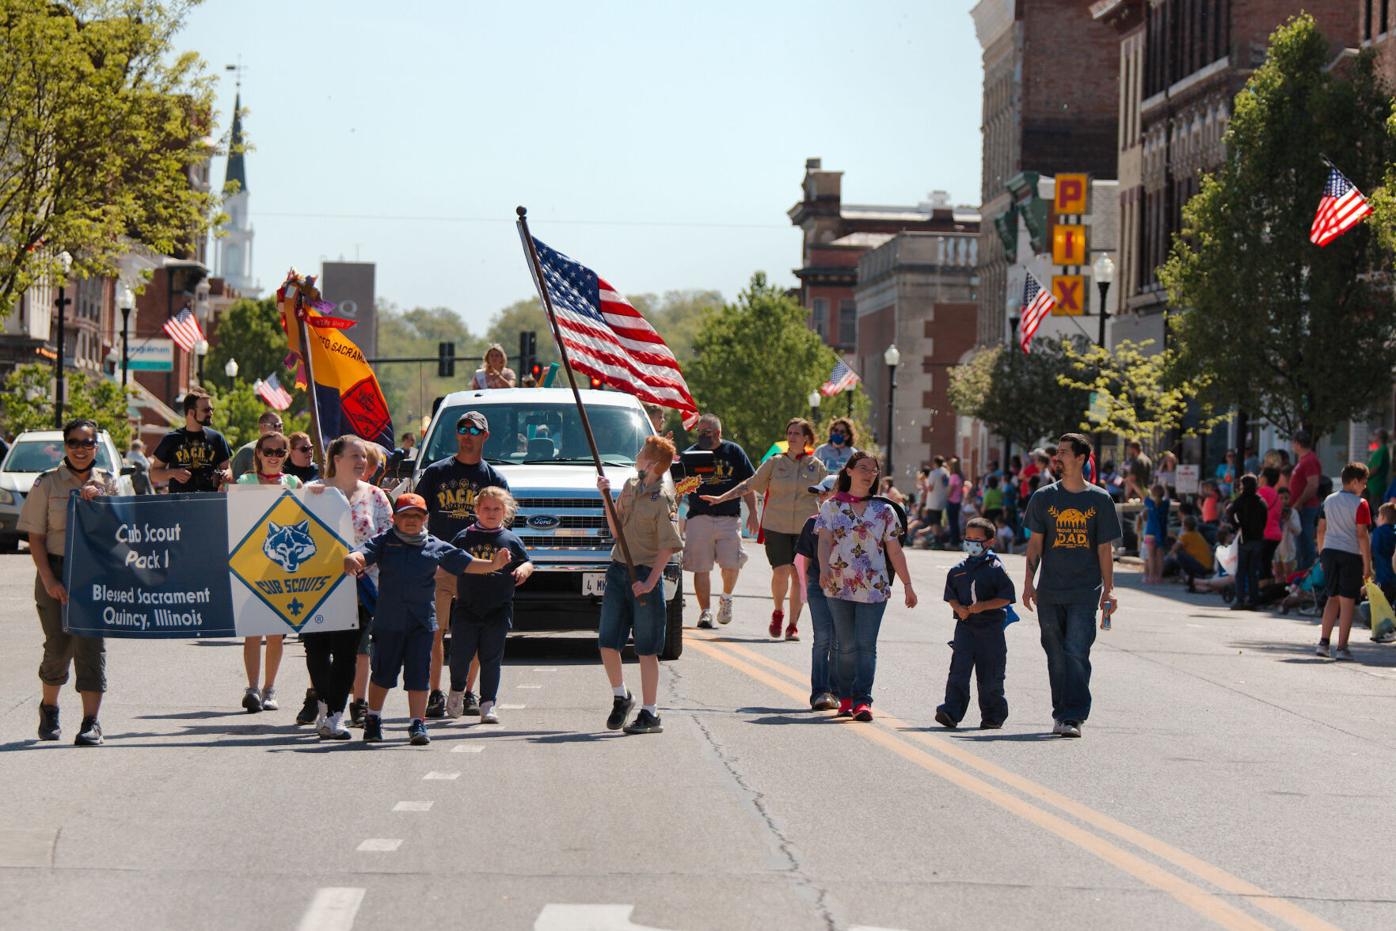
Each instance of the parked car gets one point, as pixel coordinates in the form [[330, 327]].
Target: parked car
[[36, 451], [537, 442]]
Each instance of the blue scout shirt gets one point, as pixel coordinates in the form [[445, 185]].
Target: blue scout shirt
[[407, 578], [1383, 549], [483, 595], [980, 578]]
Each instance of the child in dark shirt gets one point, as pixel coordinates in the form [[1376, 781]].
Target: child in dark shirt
[[484, 609], [824, 661], [979, 591]]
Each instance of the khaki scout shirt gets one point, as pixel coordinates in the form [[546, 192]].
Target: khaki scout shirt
[[46, 509], [786, 482], [649, 519]]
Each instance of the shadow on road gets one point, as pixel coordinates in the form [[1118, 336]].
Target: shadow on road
[[1364, 652]]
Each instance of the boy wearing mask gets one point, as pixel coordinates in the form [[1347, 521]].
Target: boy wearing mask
[[979, 591]]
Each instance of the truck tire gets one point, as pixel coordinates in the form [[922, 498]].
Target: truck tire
[[673, 627]]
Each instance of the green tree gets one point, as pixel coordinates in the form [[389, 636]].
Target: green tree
[[27, 403], [410, 387], [250, 332], [678, 316], [237, 409], [1138, 393], [754, 364], [101, 120], [1020, 397], [1298, 334]]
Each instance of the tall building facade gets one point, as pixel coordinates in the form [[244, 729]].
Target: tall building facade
[[1379, 33], [234, 250]]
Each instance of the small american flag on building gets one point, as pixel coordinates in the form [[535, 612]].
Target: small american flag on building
[[270, 391], [841, 379], [184, 329], [1037, 304], [608, 339], [1340, 209]]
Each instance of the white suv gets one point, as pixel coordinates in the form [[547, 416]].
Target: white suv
[[36, 451]]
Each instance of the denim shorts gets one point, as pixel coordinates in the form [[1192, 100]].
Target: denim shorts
[[621, 613], [408, 651]]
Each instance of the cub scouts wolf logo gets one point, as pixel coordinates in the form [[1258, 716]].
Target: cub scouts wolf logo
[[290, 545], [1072, 527]]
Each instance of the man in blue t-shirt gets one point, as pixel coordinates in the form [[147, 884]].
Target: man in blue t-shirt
[[450, 487], [1074, 527], [712, 533]]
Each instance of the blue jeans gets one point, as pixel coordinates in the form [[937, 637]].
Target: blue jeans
[[856, 625], [823, 663], [484, 636], [1306, 545], [622, 614], [1068, 630]]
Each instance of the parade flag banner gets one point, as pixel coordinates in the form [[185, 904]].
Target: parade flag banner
[[270, 391], [1340, 209], [346, 394], [841, 379], [257, 560], [184, 329], [1037, 305]]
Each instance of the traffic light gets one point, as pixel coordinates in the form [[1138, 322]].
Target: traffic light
[[595, 382], [528, 352], [536, 370], [446, 360]]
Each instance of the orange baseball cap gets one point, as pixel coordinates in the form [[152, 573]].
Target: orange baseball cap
[[410, 502]]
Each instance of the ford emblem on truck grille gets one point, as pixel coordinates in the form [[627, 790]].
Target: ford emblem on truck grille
[[543, 521]]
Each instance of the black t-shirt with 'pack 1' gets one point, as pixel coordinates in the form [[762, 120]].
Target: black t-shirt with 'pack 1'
[[200, 452]]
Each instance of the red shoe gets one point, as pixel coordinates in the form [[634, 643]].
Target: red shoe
[[777, 622], [845, 708], [791, 633], [862, 713]]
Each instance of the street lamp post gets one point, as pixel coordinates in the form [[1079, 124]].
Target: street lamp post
[[892, 357], [127, 299], [201, 350], [65, 261], [814, 406], [1104, 268], [231, 369]]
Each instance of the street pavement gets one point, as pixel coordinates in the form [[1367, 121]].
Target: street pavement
[[1226, 777]]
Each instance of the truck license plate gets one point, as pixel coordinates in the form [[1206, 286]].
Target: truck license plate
[[594, 583]]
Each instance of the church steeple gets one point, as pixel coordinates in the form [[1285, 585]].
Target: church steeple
[[237, 168], [234, 244]]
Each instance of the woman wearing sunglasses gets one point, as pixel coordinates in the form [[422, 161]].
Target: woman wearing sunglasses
[[268, 456], [44, 518]]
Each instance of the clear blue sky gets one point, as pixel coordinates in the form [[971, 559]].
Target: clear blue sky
[[659, 142]]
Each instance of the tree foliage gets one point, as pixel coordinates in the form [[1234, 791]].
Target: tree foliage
[[237, 408], [410, 387], [100, 121], [27, 403], [1020, 396], [1299, 334]]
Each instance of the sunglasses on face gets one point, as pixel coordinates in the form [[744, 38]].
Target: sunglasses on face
[[300, 449], [470, 430], [80, 444], [277, 452]]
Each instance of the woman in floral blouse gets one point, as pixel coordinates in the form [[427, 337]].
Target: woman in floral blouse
[[857, 543]]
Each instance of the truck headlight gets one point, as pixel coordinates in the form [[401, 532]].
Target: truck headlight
[[6, 497]]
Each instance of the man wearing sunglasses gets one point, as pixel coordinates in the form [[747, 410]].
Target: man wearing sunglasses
[[450, 487], [269, 422], [195, 456]]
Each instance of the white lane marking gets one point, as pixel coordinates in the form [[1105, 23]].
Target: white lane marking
[[504, 707], [587, 918], [466, 748], [380, 845], [530, 686], [412, 806], [439, 775], [545, 669], [332, 909], [870, 928]]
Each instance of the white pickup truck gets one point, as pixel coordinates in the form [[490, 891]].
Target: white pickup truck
[[537, 442]]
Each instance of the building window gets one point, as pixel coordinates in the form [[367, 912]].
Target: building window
[[848, 323], [820, 313], [1367, 19]]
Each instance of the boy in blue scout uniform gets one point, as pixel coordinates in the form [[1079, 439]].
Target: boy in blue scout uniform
[[979, 591], [405, 625]]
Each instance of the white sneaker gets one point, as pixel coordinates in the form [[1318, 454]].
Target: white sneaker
[[269, 702], [1342, 655], [1071, 729], [488, 714], [724, 609], [322, 715], [334, 729], [1321, 650], [1057, 727], [705, 620], [455, 704]]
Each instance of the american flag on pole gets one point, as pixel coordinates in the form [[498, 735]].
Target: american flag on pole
[[1340, 209], [184, 329], [841, 379], [270, 391], [1037, 304], [608, 339]]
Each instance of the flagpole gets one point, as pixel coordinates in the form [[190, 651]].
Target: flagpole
[[538, 282], [317, 445]]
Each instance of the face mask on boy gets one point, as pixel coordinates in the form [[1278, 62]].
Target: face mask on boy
[[974, 547]]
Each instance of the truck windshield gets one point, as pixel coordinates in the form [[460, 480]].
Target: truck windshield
[[546, 433]]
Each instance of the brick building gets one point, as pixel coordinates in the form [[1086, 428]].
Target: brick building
[[836, 235], [1379, 33], [1050, 105]]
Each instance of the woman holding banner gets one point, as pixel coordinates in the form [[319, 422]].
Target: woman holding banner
[[268, 455], [44, 518], [331, 657]]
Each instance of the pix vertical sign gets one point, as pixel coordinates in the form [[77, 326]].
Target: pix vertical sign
[[1070, 246]]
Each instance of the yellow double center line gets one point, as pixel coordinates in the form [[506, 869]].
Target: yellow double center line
[[953, 764]]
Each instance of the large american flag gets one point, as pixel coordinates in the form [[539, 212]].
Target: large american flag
[[1037, 304], [1340, 209], [270, 391], [608, 339], [184, 329], [841, 379]]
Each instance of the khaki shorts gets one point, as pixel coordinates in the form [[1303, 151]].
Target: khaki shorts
[[445, 595], [709, 539]]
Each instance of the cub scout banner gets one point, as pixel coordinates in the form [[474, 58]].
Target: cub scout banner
[[346, 393], [258, 560]]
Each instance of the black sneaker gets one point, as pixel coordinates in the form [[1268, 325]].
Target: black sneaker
[[48, 722], [990, 725], [944, 720], [620, 710], [644, 723], [310, 710], [373, 729], [472, 705], [417, 733], [436, 704], [252, 700], [90, 734], [358, 710]]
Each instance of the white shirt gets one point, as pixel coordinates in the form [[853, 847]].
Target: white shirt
[[939, 491]]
